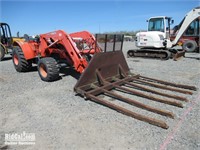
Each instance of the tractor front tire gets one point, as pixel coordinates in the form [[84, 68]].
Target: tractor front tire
[[2, 52], [19, 61], [48, 69]]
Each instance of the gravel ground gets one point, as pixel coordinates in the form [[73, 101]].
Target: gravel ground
[[62, 120]]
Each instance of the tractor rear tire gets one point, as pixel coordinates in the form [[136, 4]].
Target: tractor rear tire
[[19, 61], [189, 46], [48, 69], [2, 52]]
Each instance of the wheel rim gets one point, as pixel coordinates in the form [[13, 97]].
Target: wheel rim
[[16, 60], [189, 46], [43, 70]]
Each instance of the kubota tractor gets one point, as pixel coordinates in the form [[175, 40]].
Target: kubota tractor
[[54, 50]]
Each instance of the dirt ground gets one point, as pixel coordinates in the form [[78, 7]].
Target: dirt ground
[[60, 119]]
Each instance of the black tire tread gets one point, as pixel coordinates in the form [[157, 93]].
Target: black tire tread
[[24, 65], [52, 69], [193, 43]]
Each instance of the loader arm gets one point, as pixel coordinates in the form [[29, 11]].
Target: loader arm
[[190, 17], [89, 40], [61, 43]]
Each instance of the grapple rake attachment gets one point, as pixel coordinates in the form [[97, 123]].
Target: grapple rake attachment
[[108, 73]]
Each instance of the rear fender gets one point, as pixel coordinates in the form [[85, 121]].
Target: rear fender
[[27, 48]]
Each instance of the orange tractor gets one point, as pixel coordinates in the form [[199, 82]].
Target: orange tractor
[[54, 50]]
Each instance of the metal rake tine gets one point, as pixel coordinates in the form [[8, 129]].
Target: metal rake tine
[[165, 101], [140, 105], [164, 87], [127, 112], [171, 84], [156, 92]]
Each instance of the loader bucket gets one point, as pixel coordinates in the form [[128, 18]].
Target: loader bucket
[[177, 54], [109, 75]]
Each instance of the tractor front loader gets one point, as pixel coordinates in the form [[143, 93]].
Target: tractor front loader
[[54, 50], [104, 71]]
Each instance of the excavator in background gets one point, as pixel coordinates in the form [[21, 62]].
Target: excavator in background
[[7, 40], [156, 42]]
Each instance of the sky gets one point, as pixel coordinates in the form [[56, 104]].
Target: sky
[[34, 17]]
